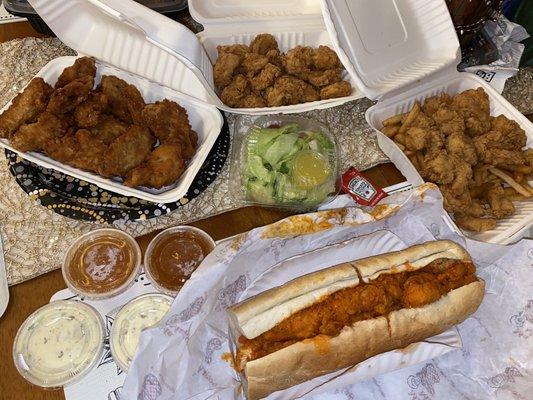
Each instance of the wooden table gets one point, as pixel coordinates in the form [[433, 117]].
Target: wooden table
[[28, 296]]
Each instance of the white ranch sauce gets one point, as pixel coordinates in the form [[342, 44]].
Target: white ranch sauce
[[140, 313], [58, 343]]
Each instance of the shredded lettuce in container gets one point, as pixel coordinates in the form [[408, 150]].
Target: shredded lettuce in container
[[288, 166]]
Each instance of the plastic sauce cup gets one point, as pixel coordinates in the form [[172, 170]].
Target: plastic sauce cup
[[174, 254], [102, 264]]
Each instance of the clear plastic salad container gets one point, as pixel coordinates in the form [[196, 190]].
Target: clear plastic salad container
[[283, 161]]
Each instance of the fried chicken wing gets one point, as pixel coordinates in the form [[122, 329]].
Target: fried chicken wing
[[224, 68], [238, 49], [67, 98], [263, 43], [265, 78], [127, 151], [324, 58], [162, 168], [89, 113], [323, 78], [169, 122], [237, 90], [253, 63], [125, 101], [252, 101], [82, 67], [275, 57], [109, 128], [33, 137], [473, 105], [26, 106], [289, 90], [462, 146], [81, 150], [338, 89], [298, 60], [449, 121]]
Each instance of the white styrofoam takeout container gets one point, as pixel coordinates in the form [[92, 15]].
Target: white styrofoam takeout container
[[205, 120], [96, 29], [406, 51], [392, 60], [507, 230]]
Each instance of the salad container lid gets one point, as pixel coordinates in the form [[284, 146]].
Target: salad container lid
[[285, 162]]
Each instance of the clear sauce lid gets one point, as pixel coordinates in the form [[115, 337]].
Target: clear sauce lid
[[59, 343], [139, 314]]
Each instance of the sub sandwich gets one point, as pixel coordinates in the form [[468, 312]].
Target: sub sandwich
[[339, 316]]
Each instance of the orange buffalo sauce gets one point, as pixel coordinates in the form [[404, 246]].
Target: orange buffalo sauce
[[175, 256], [101, 264]]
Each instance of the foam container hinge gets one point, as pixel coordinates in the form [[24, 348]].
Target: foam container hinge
[[204, 119], [507, 230]]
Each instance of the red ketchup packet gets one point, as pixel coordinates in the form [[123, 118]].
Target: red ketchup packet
[[362, 190]]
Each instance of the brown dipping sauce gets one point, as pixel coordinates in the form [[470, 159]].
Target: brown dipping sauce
[[175, 257], [102, 264]]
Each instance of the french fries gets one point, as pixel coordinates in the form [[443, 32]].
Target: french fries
[[510, 181], [410, 118]]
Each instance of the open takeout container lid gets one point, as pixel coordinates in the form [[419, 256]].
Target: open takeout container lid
[[133, 38], [384, 45]]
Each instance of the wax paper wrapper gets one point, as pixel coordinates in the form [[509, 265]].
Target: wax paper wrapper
[[186, 356]]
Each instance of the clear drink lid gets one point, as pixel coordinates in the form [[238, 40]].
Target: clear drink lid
[[59, 343]]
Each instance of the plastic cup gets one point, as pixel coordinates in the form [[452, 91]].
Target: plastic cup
[[102, 278], [160, 238], [59, 343]]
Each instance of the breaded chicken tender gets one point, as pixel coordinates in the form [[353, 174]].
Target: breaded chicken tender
[[162, 168], [253, 63], [449, 121], [82, 67], [127, 151], [108, 129], [88, 113], [169, 122], [289, 90], [322, 78], [500, 206], [67, 98], [475, 224], [474, 107], [462, 146], [33, 137], [125, 100], [81, 150], [26, 106], [237, 49]]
